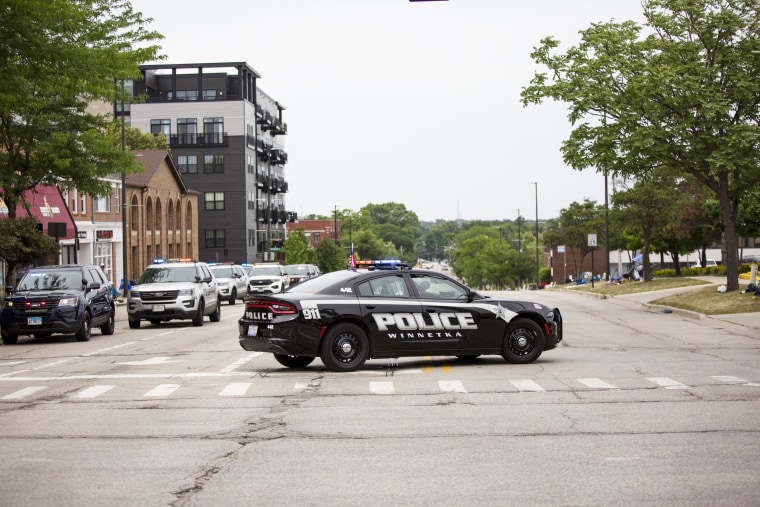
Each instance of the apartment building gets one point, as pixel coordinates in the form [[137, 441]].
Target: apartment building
[[227, 139]]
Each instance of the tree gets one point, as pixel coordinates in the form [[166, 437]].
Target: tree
[[392, 223], [297, 248], [575, 223], [330, 257], [136, 139], [686, 97], [23, 243], [56, 58]]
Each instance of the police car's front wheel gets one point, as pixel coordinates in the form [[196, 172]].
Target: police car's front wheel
[[344, 348], [523, 342]]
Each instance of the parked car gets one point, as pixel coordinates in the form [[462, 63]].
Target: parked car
[[267, 278], [300, 272], [174, 291], [66, 299], [708, 264], [232, 280]]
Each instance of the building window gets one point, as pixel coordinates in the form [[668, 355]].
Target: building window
[[213, 163], [213, 130], [187, 129], [162, 126], [214, 201], [250, 165], [103, 204], [187, 95], [187, 164], [74, 200], [83, 208], [209, 94], [215, 238], [316, 237]]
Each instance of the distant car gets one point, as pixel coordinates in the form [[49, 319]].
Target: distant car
[[348, 317], [267, 278], [301, 272], [749, 259], [68, 299], [232, 280], [174, 291], [708, 263]]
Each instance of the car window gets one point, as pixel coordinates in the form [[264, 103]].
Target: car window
[[51, 280], [265, 270], [169, 274], [223, 271], [385, 286], [432, 287]]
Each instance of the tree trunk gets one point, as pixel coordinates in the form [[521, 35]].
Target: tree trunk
[[729, 213]]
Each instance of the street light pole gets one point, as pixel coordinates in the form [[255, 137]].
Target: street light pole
[[124, 246], [537, 268]]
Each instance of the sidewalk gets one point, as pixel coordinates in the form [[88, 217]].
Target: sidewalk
[[748, 320]]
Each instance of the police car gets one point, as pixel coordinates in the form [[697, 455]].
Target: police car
[[348, 317]]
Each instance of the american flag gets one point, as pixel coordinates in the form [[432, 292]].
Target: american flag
[[351, 258]]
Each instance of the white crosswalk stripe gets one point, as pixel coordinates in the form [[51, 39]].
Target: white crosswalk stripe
[[596, 383], [23, 393], [384, 387], [235, 389], [667, 383], [93, 392], [451, 386], [162, 390], [528, 385]]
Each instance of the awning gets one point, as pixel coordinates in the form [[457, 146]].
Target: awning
[[47, 206]]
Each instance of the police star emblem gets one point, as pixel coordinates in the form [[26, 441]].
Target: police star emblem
[[499, 311]]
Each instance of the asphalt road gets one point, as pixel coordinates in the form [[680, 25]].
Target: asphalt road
[[638, 407]]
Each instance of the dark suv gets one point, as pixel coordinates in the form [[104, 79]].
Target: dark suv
[[69, 299]]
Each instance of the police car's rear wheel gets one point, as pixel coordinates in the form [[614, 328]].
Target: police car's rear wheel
[[293, 361], [523, 342], [344, 348]]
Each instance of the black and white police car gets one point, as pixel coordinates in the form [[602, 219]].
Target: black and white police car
[[348, 317]]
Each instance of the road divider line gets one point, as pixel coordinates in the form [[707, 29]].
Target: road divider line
[[23, 393], [382, 387], [527, 385], [108, 349], [162, 390], [235, 389], [93, 392]]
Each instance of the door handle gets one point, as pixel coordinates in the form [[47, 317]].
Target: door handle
[[369, 307]]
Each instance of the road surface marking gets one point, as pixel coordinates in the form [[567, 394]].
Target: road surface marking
[[240, 362], [667, 383], [23, 393], [729, 379], [527, 385], [451, 386], [153, 361], [107, 349], [93, 392], [596, 383], [162, 390], [381, 387], [235, 389]]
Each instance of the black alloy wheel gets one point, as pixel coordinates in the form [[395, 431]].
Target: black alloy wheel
[[524, 342], [344, 348]]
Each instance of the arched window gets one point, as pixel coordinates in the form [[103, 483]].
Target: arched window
[[170, 216], [149, 218], [135, 212], [189, 218], [159, 217]]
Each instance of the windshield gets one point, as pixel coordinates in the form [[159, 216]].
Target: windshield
[[296, 269], [223, 272], [51, 281], [169, 274], [265, 270]]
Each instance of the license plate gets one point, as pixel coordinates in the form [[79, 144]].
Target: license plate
[[252, 330], [158, 308], [34, 321]]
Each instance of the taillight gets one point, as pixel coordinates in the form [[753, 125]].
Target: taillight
[[278, 308]]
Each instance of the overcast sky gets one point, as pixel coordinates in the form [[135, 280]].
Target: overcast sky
[[397, 101]]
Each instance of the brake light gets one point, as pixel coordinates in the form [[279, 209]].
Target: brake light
[[278, 308]]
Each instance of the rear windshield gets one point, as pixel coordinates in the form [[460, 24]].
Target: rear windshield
[[265, 270], [320, 283], [223, 272]]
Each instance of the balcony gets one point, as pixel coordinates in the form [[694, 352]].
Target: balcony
[[205, 139]]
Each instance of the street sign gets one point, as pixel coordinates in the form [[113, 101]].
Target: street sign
[[592, 240]]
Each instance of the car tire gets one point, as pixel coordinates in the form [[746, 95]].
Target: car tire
[[110, 326], [217, 315], [134, 324], [344, 348], [523, 343], [10, 339], [233, 297], [85, 332], [294, 361], [198, 319]]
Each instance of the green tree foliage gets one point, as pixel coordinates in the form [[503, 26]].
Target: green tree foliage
[[23, 243], [436, 239], [136, 139], [572, 228], [368, 246], [297, 248], [56, 58], [686, 96], [393, 224], [330, 257]]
